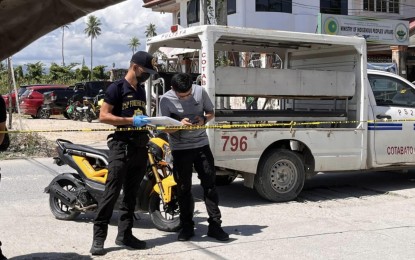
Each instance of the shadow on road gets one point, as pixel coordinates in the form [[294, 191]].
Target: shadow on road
[[234, 195], [334, 186], [320, 188], [323, 187], [51, 256]]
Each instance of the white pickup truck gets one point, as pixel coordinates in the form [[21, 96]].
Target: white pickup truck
[[322, 110]]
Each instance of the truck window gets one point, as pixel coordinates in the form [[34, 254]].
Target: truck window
[[391, 91]]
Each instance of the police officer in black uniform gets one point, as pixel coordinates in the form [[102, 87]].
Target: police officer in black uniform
[[3, 118], [125, 107]]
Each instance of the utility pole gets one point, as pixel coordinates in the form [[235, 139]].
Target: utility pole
[[221, 13], [9, 72], [12, 84]]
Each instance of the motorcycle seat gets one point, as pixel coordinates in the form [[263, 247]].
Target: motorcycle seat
[[88, 149]]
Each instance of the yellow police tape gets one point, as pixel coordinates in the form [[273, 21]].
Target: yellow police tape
[[291, 124]]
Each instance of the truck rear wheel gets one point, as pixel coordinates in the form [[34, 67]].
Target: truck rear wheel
[[281, 175]]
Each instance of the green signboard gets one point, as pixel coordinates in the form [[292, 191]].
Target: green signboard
[[374, 30]]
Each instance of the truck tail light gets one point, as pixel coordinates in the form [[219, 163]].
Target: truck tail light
[[174, 28]]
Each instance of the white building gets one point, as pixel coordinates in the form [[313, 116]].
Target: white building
[[300, 16]]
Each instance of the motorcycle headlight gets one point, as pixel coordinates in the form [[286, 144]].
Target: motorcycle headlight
[[159, 148], [168, 158]]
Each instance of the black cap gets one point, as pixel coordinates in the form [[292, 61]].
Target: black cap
[[146, 61]]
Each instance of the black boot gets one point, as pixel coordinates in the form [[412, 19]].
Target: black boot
[[186, 233], [97, 248], [217, 232], [130, 241]]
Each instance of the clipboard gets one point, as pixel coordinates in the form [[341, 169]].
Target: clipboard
[[163, 120]]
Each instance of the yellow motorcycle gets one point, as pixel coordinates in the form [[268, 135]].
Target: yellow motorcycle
[[92, 105], [70, 194]]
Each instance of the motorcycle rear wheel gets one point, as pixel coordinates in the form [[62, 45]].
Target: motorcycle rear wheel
[[165, 221], [89, 117], [58, 208]]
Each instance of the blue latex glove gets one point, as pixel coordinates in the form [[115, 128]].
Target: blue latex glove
[[139, 121]]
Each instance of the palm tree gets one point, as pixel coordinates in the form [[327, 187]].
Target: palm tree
[[151, 30], [92, 30], [63, 37], [134, 44]]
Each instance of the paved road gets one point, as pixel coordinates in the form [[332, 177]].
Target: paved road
[[348, 216]]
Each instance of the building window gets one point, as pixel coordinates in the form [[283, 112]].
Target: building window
[[381, 6], [193, 12], [333, 7], [283, 6], [394, 6], [231, 6]]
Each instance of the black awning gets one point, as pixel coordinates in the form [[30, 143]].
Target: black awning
[[24, 21]]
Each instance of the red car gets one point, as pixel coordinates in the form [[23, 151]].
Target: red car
[[20, 91], [32, 100]]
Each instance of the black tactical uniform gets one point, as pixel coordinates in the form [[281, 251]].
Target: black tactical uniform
[[127, 161]]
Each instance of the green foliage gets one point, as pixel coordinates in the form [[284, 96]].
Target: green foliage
[[62, 74], [99, 73], [58, 74], [134, 44], [151, 30], [35, 71], [93, 29], [83, 73], [3, 78], [222, 60], [18, 73]]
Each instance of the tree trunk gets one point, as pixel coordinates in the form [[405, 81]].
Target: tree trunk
[[63, 36], [90, 74]]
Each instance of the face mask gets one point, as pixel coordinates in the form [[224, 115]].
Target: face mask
[[143, 77]]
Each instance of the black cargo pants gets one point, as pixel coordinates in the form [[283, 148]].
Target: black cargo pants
[[203, 162], [127, 166]]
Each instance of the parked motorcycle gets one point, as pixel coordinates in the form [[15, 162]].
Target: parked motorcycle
[[73, 193], [92, 106], [74, 110]]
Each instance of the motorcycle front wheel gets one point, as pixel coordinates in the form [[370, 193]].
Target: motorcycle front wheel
[[65, 114], [165, 218], [58, 208]]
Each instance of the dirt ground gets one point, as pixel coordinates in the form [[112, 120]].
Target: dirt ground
[[59, 127]]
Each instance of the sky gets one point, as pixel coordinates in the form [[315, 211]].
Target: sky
[[119, 23]]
